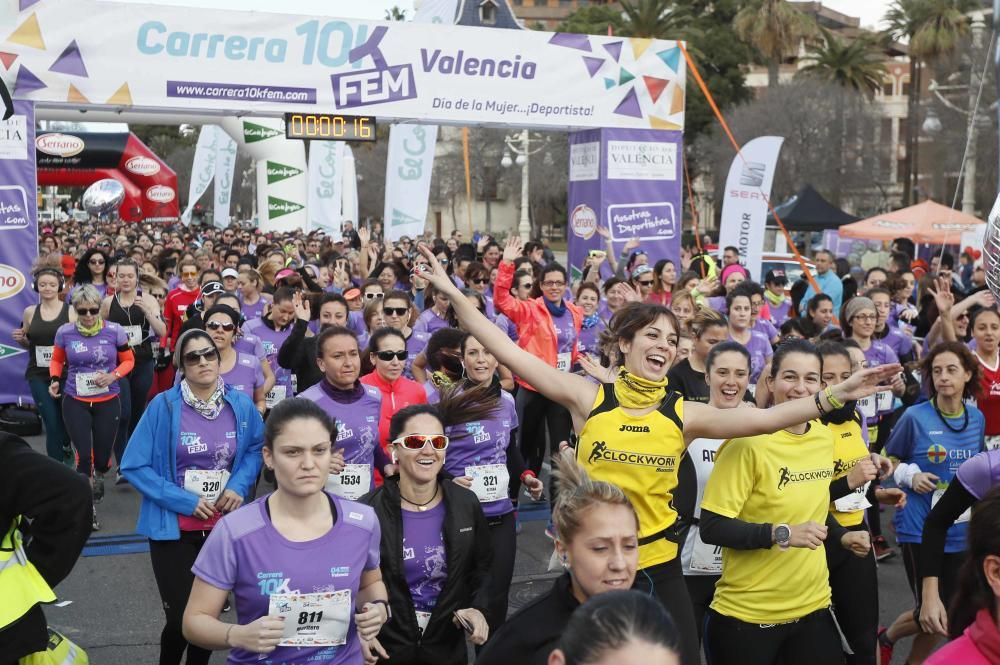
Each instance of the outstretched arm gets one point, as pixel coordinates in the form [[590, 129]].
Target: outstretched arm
[[574, 392]]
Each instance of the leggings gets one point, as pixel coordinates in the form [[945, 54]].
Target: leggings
[[534, 412], [666, 583], [92, 427], [854, 583], [812, 639], [172, 561], [701, 589], [503, 537], [56, 438], [134, 395]]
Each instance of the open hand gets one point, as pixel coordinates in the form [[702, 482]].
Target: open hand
[[513, 248], [865, 382]]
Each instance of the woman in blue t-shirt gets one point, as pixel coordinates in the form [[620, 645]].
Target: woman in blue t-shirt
[[928, 444]]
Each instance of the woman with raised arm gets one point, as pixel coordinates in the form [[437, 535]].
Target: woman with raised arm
[[633, 432]]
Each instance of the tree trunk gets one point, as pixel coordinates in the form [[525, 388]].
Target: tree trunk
[[773, 69], [916, 136], [910, 131], [839, 145]]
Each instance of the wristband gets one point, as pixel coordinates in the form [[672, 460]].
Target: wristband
[[528, 473], [819, 405], [385, 604], [834, 402]]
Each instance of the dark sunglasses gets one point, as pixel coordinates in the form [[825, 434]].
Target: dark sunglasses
[[194, 357], [418, 441], [229, 326], [645, 282], [96, 262], [395, 311], [159, 296], [443, 262], [389, 355], [481, 280], [85, 311]]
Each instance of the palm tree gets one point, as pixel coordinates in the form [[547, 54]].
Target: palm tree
[[656, 19], [774, 28], [856, 65], [932, 28]]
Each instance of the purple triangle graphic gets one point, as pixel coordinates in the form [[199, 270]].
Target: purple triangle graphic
[[570, 40], [593, 64], [27, 82], [24, 4], [615, 49], [70, 62], [630, 105]]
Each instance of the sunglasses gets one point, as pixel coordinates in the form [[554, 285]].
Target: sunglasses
[[552, 285], [189, 273], [480, 280], [443, 262], [219, 325], [96, 262], [526, 285], [194, 357], [159, 296], [395, 311], [88, 311], [645, 282], [418, 441], [389, 355], [373, 296]]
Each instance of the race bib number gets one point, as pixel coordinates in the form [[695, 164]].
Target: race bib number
[[351, 483], [992, 441], [86, 384], [867, 406], [489, 481], [854, 501], [563, 361], [206, 483], [964, 517], [423, 618], [312, 619], [884, 400], [706, 558], [276, 394], [43, 355], [134, 334]]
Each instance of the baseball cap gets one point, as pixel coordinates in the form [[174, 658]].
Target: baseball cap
[[282, 274], [776, 276], [230, 272], [212, 288]]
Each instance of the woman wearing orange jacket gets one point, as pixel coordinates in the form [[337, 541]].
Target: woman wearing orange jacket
[[548, 327]]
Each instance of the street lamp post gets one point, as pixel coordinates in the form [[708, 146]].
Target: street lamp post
[[520, 145]]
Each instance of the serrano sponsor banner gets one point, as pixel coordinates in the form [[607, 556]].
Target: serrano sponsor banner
[[149, 56], [744, 206], [628, 184], [18, 245]]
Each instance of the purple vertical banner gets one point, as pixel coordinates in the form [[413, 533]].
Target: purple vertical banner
[[18, 243], [627, 181]]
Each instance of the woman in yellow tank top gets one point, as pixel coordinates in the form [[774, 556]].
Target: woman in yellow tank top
[[633, 432]]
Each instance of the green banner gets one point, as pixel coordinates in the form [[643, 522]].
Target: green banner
[[252, 132], [276, 172], [278, 207]]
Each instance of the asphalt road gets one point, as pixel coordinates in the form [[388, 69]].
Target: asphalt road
[[114, 612]]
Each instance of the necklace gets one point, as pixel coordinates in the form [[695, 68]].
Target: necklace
[[965, 419], [421, 506]]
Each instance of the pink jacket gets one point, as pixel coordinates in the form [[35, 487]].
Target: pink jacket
[[978, 645]]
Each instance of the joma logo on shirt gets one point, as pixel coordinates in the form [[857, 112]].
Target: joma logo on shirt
[[601, 452], [786, 476], [634, 428]]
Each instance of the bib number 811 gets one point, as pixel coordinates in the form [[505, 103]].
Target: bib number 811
[[310, 617]]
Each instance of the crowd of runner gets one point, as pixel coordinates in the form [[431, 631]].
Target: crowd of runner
[[333, 438]]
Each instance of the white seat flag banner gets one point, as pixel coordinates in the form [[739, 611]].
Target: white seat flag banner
[[225, 167], [203, 166], [326, 166], [80, 54], [410, 161], [349, 186], [744, 208]]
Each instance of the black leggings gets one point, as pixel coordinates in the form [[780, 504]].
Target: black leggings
[[134, 395], [666, 583], [701, 589], [812, 639], [854, 583], [535, 412], [503, 537], [92, 427], [172, 561]]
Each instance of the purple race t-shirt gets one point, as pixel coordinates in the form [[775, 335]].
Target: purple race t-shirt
[[272, 341], [506, 325], [415, 343], [589, 340], [779, 313], [425, 562], [357, 422], [898, 342], [482, 442], [245, 554], [760, 350], [980, 473], [766, 328], [251, 345], [86, 356], [208, 445], [429, 322], [565, 332], [246, 375], [254, 311]]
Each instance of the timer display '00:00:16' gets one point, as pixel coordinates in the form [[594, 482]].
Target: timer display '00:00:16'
[[326, 127]]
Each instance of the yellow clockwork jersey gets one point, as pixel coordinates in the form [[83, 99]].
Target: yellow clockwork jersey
[[849, 448]]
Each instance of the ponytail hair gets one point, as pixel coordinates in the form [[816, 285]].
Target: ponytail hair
[[578, 493], [974, 592]]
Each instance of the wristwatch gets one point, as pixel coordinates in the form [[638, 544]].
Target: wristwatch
[[782, 536]]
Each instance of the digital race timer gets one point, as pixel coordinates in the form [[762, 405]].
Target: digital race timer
[[327, 127]]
